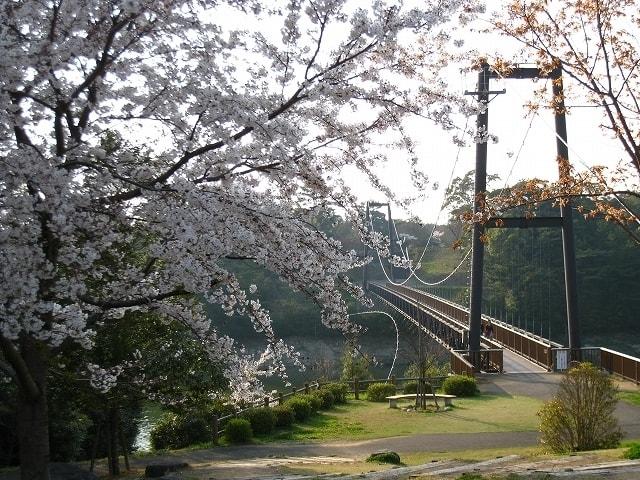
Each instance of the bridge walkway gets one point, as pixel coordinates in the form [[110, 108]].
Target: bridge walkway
[[510, 349]]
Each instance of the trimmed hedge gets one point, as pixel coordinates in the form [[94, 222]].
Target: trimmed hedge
[[238, 430], [460, 386], [376, 392], [314, 401], [410, 387], [385, 457], [175, 431], [301, 408], [284, 414], [339, 390], [262, 419], [326, 398]]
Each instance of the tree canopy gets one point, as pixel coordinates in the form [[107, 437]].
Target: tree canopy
[[146, 142]]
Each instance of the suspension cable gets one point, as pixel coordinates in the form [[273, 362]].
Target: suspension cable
[[395, 355]]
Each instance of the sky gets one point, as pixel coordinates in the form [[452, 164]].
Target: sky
[[508, 119]]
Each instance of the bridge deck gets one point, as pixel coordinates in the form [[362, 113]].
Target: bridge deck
[[514, 363], [510, 349]]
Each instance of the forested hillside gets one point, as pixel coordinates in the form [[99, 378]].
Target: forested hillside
[[524, 282]]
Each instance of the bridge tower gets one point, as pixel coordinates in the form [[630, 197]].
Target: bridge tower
[[564, 221], [392, 243]]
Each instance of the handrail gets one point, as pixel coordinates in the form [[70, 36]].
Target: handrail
[[531, 346], [617, 363]]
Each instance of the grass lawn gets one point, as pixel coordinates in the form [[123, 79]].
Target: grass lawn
[[361, 420], [632, 397]]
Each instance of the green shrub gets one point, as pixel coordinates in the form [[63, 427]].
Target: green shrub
[[326, 398], [376, 392], [262, 420], [285, 415], [339, 390], [633, 452], [175, 431], [581, 415], [410, 387], [301, 408], [219, 409], [385, 457], [238, 430], [313, 400], [460, 386]]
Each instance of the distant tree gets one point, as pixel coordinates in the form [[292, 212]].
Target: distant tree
[[355, 364], [581, 415]]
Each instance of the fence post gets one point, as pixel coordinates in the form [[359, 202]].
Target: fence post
[[293, 390], [280, 399], [355, 389], [306, 388], [216, 428], [266, 400], [393, 380]]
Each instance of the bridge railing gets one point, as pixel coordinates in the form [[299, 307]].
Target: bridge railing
[[488, 360], [536, 349], [624, 365], [614, 362], [461, 365], [533, 348], [449, 334]]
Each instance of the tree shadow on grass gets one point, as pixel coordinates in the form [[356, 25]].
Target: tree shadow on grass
[[321, 426]]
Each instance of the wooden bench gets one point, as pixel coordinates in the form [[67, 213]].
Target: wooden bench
[[393, 400]]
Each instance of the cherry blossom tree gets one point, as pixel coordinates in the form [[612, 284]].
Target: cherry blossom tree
[[143, 142]]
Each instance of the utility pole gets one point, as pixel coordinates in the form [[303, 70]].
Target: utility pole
[[391, 242], [365, 279], [480, 188]]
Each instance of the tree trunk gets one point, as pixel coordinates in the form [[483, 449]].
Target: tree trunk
[[114, 462], [33, 415]]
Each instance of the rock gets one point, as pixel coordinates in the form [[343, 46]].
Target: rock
[[69, 471], [157, 470], [385, 457]]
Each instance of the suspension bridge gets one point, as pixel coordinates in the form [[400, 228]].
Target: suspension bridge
[[480, 342]]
